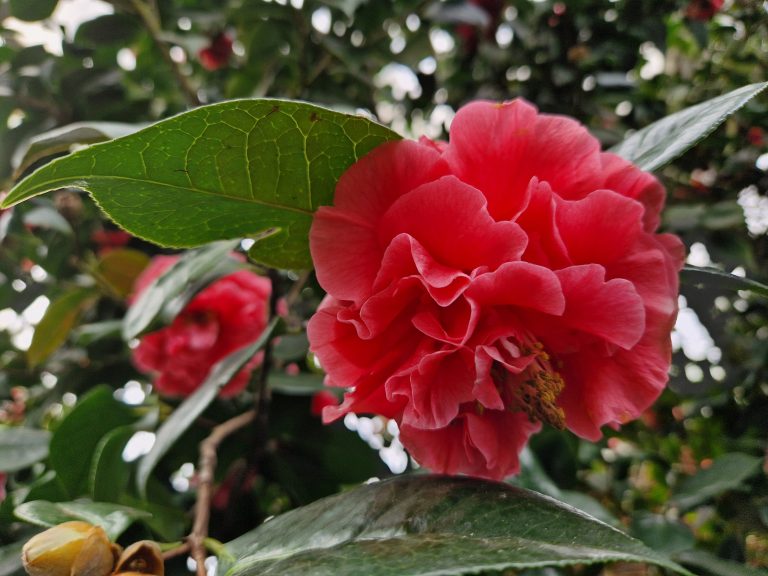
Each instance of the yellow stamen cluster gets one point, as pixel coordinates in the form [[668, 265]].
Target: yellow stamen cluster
[[536, 390]]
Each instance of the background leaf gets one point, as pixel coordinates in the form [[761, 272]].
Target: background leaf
[[188, 411], [728, 472], [711, 564], [75, 440], [62, 140], [420, 525], [119, 268], [32, 10], [170, 291], [112, 517], [303, 384], [47, 217], [245, 167], [712, 277], [59, 319], [10, 559], [22, 447], [666, 139], [109, 471]]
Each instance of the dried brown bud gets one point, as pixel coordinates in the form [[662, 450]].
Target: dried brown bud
[[69, 549], [143, 557]]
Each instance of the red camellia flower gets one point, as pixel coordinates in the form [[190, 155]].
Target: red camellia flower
[[480, 288], [227, 315]]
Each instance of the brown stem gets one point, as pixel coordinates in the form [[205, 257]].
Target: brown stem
[[206, 469], [148, 14], [263, 392], [177, 551]]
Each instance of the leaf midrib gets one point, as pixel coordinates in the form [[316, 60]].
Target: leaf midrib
[[51, 185]]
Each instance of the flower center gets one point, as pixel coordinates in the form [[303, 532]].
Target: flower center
[[535, 389]]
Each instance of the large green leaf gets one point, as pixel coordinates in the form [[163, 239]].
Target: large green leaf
[[663, 141], [255, 168], [188, 411], [22, 447], [430, 525], [113, 518], [727, 472], [75, 440], [170, 291]]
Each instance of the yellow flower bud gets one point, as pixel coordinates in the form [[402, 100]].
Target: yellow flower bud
[[140, 559], [70, 549]]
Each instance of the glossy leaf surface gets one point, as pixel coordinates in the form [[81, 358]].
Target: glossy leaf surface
[[664, 140], [419, 525]]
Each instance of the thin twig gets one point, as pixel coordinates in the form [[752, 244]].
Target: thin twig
[[209, 446], [148, 14], [177, 551], [206, 469]]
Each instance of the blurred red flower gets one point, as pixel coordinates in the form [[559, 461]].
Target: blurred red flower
[[756, 136], [479, 288], [703, 10], [227, 315], [108, 240], [216, 55]]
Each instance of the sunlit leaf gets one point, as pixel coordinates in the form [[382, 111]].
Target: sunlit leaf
[[22, 447], [56, 324], [431, 525], [112, 517], [188, 411], [255, 168], [664, 140]]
